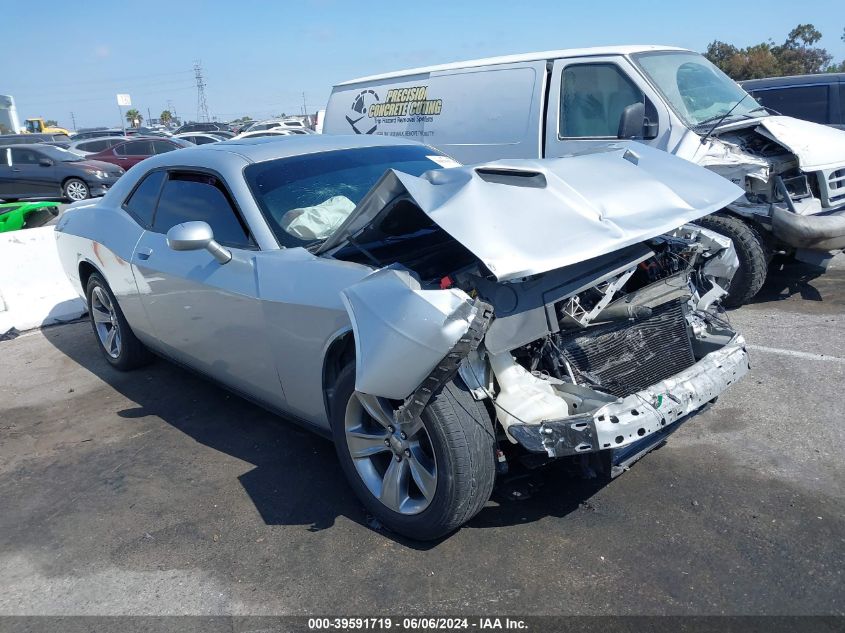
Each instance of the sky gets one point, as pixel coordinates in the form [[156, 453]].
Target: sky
[[258, 58]]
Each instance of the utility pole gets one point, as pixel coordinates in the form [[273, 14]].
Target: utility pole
[[202, 104], [149, 116], [73, 118], [304, 107]]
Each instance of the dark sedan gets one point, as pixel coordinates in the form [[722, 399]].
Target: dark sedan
[[130, 153], [44, 171]]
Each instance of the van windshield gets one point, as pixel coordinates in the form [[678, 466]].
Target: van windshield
[[698, 92]]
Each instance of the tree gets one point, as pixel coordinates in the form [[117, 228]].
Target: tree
[[51, 123], [798, 55], [166, 117], [134, 117]]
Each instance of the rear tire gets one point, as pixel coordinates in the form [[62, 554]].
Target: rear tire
[[119, 345], [751, 250], [460, 439]]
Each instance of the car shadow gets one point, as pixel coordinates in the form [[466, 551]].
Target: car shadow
[[789, 279], [296, 478]]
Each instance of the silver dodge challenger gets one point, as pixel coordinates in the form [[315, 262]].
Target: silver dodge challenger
[[437, 321]]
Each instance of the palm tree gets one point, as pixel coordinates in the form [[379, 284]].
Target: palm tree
[[165, 117], [134, 117]]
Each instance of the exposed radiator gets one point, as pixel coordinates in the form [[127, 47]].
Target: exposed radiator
[[628, 356]]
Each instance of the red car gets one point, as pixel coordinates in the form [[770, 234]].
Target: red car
[[133, 152]]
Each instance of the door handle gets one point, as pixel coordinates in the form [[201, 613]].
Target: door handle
[[15, 169], [144, 253]]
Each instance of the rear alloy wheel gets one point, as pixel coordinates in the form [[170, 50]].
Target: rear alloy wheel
[[116, 339], [422, 479], [76, 190]]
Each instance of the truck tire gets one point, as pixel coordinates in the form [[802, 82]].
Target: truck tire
[[750, 249], [425, 485], [116, 340]]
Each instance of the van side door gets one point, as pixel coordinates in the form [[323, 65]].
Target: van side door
[[587, 96]]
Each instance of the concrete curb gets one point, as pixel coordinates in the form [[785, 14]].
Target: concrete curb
[[34, 290]]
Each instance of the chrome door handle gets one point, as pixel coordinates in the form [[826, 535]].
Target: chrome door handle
[[144, 253]]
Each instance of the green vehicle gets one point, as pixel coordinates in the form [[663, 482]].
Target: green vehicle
[[26, 215]]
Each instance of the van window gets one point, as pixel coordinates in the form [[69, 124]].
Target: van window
[[592, 99], [188, 197], [802, 102], [842, 103]]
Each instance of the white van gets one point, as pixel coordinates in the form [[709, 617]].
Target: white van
[[561, 102]]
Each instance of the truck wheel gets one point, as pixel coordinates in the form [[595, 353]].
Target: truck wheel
[[751, 251], [421, 480], [76, 190], [116, 340]]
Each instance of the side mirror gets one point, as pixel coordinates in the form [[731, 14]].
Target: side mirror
[[195, 236], [632, 121], [45, 162]]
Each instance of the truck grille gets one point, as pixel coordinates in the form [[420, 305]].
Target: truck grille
[[836, 185], [626, 357]]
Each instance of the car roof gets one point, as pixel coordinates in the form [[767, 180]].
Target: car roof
[[25, 145], [794, 80], [522, 57], [265, 148]]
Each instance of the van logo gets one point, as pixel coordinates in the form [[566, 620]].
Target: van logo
[[357, 116], [401, 105]]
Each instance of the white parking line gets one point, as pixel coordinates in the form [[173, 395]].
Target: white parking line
[[796, 354]]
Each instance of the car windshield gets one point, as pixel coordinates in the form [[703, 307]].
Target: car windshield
[[306, 198], [59, 155], [698, 92]]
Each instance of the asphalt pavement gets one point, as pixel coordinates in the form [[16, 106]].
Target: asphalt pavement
[[156, 492]]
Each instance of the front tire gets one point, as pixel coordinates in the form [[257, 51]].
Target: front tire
[[427, 483], [116, 340], [752, 253], [75, 190]]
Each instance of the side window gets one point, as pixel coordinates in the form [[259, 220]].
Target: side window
[[142, 202], [135, 148], [94, 146], [22, 156], [188, 197], [802, 102], [4, 157], [592, 99], [842, 103], [160, 147]]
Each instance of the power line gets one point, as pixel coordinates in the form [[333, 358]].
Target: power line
[[202, 104]]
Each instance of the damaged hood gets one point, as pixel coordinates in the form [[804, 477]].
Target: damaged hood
[[524, 217], [816, 146]]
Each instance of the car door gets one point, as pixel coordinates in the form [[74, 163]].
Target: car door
[[30, 178], [131, 153], [586, 100], [203, 313], [5, 173]]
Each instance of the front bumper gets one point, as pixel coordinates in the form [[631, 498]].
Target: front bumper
[[632, 419], [823, 231], [99, 186]]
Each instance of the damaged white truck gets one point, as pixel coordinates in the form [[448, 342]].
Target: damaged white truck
[[432, 321], [554, 103]]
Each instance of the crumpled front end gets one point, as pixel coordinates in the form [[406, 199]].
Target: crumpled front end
[[793, 173], [607, 355]]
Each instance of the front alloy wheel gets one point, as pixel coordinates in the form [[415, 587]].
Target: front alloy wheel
[[424, 478], [397, 465], [76, 190]]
